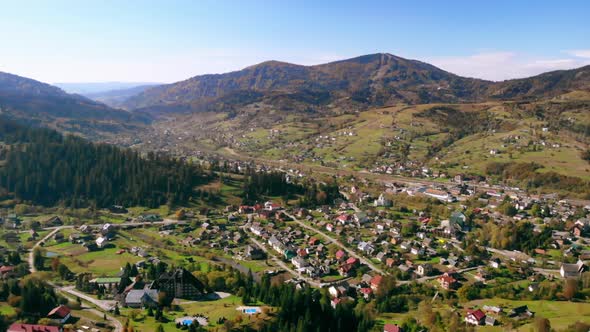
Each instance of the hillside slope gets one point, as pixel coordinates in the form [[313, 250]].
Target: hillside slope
[[41, 104]]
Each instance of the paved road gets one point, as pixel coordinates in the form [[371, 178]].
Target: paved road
[[512, 254], [68, 294], [336, 242], [105, 305]]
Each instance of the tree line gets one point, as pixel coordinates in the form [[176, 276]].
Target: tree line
[[45, 168]]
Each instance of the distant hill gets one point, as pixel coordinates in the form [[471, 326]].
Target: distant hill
[[364, 82], [550, 84], [86, 88], [41, 104], [116, 98]]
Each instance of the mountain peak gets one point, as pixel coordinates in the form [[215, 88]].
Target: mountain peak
[[272, 63]]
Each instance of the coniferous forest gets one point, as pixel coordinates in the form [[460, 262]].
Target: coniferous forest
[[46, 168]]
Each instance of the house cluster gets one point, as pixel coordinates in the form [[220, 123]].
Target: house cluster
[[91, 238], [207, 233], [307, 254], [345, 291], [489, 314], [266, 211]]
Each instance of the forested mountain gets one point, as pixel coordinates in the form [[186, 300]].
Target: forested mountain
[[549, 84], [46, 168], [367, 81], [38, 103]]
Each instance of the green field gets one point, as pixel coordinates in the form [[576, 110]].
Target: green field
[[560, 313], [214, 310]]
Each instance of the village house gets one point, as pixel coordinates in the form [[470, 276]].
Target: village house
[[299, 262], [383, 201], [53, 222], [142, 298], [254, 253], [522, 312], [60, 314], [270, 206], [475, 317], [572, 270], [490, 321], [447, 281], [101, 242], [424, 269], [366, 247], [340, 255], [337, 291], [376, 282]]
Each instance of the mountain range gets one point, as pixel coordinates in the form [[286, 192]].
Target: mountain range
[[364, 82], [357, 84]]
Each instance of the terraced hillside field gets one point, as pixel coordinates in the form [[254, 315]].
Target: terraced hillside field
[[451, 138]]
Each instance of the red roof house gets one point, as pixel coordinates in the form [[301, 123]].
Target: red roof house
[[447, 281], [475, 317], [376, 281], [352, 261], [314, 241], [61, 314]]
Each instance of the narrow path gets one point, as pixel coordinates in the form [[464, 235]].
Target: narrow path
[[31, 259]]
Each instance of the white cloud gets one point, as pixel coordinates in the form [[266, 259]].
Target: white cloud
[[579, 53], [498, 66]]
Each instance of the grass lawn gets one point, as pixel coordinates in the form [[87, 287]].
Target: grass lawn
[[254, 266], [212, 309], [560, 313], [102, 262]]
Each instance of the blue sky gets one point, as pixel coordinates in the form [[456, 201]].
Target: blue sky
[[166, 41]]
